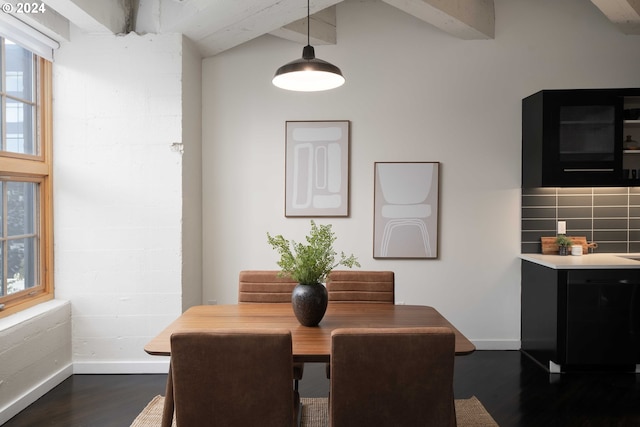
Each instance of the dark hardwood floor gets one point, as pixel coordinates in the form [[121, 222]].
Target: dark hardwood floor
[[515, 390]]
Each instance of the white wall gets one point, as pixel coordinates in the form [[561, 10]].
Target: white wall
[[118, 195], [35, 354], [412, 93]]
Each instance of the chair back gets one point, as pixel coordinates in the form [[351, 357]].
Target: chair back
[[361, 286], [392, 377], [264, 286], [268, 286], [233, 378]]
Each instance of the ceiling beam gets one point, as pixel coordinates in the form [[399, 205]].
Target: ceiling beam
[[217, 26], [95, 16], [624, 14], [465, 19], [322, 29]]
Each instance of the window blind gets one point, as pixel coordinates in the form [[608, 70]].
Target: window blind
[[26, 36]]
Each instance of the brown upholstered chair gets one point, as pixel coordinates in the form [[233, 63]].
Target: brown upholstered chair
[[267, 286], [392, 377], [264, 286], [361, 286], [234, 378]]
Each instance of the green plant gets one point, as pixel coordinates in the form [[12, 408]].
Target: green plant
[[310, 263], [563, 240]]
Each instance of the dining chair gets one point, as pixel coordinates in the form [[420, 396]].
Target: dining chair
[[268, 286], [264, 286], [392, 377], [234, 378], [361, 286]]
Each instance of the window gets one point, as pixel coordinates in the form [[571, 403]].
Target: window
[[26, 273]]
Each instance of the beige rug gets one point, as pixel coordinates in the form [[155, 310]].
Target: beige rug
[[469, 413]]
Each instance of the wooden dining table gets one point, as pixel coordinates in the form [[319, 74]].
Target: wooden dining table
[[310, 344]]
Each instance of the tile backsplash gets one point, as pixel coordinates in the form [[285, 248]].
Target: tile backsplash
[[605, 215]]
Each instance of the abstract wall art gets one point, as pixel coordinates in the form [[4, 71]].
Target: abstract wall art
[[405, 223], [317, 168]]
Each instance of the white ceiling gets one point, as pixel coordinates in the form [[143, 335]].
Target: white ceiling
[[218, 25]]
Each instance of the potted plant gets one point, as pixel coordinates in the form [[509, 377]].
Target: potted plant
[[564, 243], [309, 264]]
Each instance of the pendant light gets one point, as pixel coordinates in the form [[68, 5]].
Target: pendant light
[[308, 74]]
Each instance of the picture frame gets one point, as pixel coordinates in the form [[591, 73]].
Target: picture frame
[[317, 168], [406, 210]]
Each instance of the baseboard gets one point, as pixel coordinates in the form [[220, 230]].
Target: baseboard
[[161, 366], [21, 402], [497, 344]]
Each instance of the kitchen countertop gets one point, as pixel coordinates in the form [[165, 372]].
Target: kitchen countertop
[[588, 261]]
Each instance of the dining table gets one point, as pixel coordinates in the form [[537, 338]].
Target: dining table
[[309, 344]]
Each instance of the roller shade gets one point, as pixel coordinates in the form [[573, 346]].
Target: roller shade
[[28, 37]]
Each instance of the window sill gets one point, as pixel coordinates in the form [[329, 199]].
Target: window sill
[[30, 313], [24, 304]]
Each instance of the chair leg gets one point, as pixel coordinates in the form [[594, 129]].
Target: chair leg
[[167, 410], [298, 403]]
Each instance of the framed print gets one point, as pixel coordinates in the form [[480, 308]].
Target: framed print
[[317, 168], [405, 221]]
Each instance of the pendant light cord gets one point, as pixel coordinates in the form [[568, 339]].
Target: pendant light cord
[[308, 24]]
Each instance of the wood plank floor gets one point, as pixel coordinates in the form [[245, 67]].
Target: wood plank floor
[[515, 390]]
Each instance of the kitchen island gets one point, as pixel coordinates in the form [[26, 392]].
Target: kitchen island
[[581, 312]]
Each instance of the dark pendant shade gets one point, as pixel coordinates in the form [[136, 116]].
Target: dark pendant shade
[[308, 74]]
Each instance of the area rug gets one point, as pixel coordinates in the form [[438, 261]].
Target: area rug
[[469, 413]]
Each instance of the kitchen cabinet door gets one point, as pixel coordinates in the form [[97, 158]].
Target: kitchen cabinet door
[[572, 138]]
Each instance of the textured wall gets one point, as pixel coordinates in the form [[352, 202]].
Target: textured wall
[[35, 355], [118, 194]]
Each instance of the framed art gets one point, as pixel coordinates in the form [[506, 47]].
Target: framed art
[[317, 168], [405, 222]]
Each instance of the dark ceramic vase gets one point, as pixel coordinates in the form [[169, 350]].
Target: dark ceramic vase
[[563, 250], [309, 303]]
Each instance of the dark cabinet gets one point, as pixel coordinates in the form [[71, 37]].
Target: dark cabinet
[[581, 318], [575, 137]]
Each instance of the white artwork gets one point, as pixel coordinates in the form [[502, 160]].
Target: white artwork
[[406, 210], [317, 168]]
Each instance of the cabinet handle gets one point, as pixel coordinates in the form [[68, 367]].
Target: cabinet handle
[[589, 170], [633, 319]]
